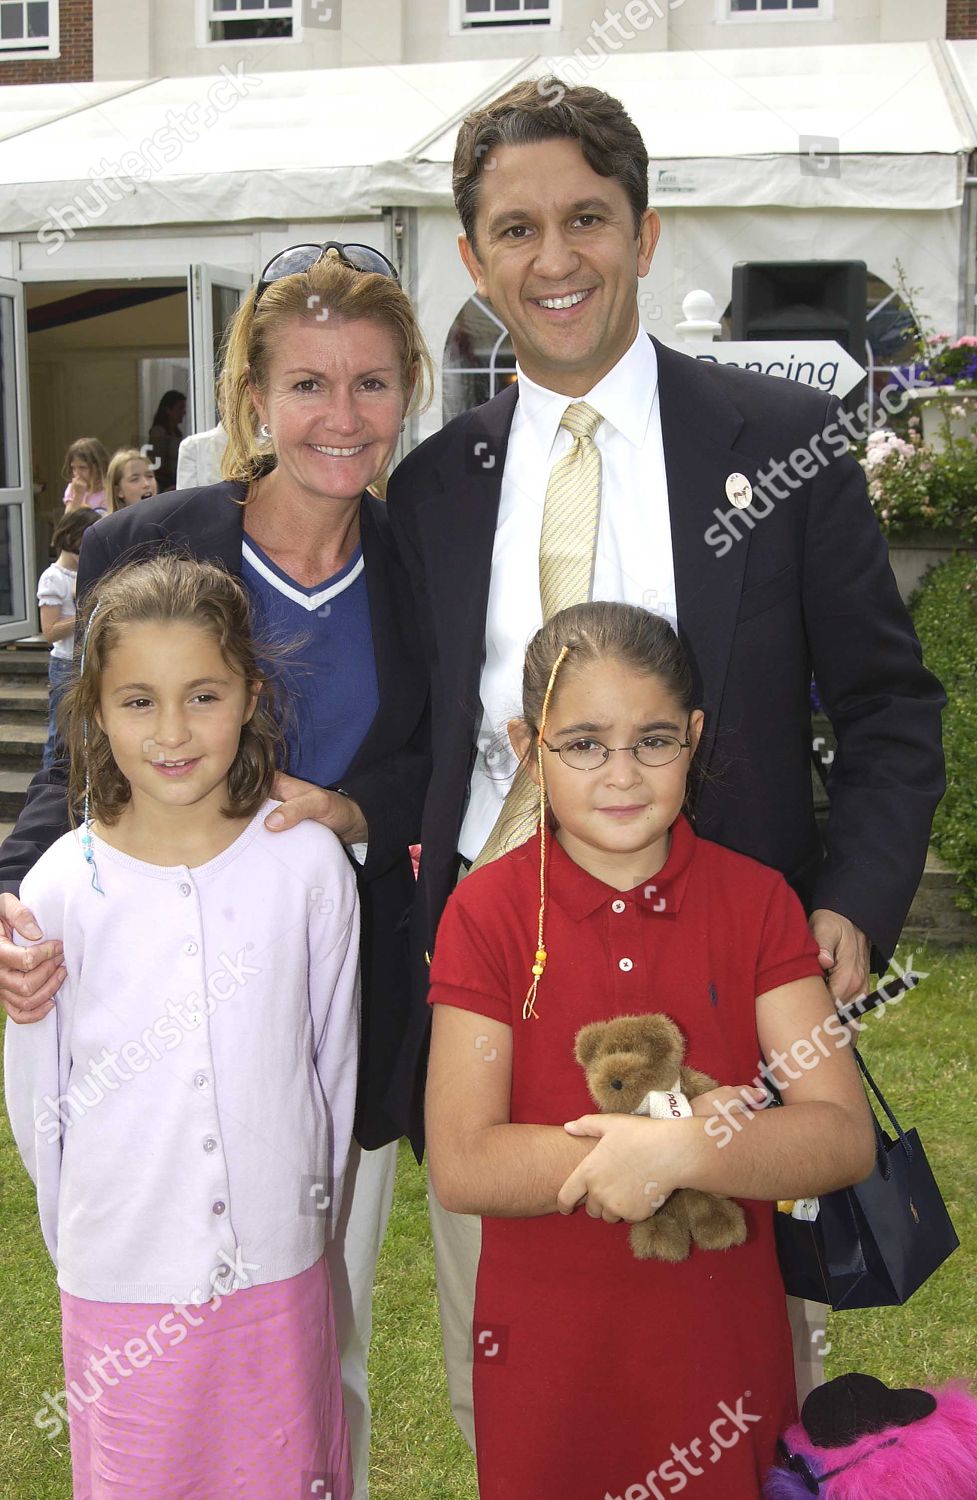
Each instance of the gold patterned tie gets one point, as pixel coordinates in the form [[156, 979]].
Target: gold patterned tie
[[567, 547]]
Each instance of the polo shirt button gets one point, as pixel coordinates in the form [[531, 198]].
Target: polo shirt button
[[219, 1206], [210, 1143], [200, 1081], [184, 888], [618, 906], [189, 946], [625, 964]]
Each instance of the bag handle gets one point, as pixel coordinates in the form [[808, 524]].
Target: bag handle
[[903, 1141]]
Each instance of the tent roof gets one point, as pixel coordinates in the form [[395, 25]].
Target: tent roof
[[882, 126]]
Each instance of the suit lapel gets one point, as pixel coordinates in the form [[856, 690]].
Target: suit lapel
[[459, 535], [211, 522], [699, 427]]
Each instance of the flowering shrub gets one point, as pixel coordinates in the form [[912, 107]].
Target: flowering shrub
[[944, 611], [912, 484], [945, 360]]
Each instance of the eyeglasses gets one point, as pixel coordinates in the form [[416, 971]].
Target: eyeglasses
[[812, 1482], [300, 258], [586, 754]]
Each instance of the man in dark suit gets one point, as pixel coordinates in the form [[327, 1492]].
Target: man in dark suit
[[551, 187]]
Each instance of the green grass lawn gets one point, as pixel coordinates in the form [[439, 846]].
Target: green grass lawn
[[923, 1054]]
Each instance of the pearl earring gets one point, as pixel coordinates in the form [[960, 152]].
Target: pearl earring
[[264, 432]]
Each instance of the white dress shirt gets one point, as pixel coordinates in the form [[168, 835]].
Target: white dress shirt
[[188, 1104], [633, 564]]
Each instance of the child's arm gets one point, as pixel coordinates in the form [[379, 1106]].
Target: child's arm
[[821, 1140], [480, 1163], [54, 626], [34, 1090], [334, 997]]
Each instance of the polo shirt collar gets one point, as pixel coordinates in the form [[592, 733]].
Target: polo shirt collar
[[624, 397], [580, 894]]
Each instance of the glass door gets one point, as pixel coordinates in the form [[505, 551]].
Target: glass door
[[18, 615], [213, 296]]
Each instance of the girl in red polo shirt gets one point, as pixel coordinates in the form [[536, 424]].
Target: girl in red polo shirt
[[598, 1376]]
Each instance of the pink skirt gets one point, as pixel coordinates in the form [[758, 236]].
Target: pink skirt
[[247, 1403]]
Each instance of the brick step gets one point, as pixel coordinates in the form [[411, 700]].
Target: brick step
[[13, 791], [24, 698], [934, 916], [25, 661], [22, 743]]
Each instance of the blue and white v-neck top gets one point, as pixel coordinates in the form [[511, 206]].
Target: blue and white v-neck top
[[327, 675]]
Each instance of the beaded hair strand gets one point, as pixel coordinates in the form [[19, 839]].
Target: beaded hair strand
[[528, 1005], [86, 833]]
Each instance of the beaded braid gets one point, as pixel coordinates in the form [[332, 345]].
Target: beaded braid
[[528, 1005], [86, 832]]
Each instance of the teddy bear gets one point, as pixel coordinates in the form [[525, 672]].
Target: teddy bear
[[623, 1060]]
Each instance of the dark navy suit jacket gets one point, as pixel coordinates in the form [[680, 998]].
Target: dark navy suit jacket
[[805, 587]]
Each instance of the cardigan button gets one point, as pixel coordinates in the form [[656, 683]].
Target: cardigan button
[[219, 1206], [189, 946], [200, 1080], [626, 964], [184, 888], [210, 1143]]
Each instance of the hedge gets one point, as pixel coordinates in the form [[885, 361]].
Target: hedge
[[944, 610]]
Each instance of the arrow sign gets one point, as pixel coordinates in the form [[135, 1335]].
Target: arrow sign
[[821, 363]]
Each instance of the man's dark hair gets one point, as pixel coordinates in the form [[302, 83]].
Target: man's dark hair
[[542, 109]]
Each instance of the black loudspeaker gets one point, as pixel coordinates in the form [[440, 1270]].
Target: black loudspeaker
[[801, 299]]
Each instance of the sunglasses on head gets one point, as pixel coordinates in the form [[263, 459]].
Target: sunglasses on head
[[812, 1482], [300, 258]]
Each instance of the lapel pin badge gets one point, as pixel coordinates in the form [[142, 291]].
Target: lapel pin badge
[[739, 491]]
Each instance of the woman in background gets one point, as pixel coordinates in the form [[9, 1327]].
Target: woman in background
[[166, 435]]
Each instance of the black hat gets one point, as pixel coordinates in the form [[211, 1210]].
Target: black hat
[[853, 1406]]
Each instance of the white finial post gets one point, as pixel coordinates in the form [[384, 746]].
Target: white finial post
[[699, 325]]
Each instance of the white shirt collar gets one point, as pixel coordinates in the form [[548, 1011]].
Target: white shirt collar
[[624, 397]]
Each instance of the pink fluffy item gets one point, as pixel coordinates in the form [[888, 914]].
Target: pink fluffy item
[[927, 1457]]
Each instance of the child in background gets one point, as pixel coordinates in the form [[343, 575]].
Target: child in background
[[597, 1374], [129, 478], [56, 601], [186, 1196], [84, 468]]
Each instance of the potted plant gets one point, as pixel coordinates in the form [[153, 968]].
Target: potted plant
[[925, 497]]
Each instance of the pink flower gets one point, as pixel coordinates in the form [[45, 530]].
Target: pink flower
[[966, 342]]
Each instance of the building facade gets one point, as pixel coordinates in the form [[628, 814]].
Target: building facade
[[59, 40]]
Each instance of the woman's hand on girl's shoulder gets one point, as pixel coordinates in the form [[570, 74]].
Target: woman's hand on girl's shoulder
[[29, 977], [302, 800]]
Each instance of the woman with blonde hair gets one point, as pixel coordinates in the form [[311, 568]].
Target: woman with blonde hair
[[324, 361]]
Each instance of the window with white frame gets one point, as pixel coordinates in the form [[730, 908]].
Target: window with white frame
[[250, 20], [762, 10], [28, 28], [486, 13]]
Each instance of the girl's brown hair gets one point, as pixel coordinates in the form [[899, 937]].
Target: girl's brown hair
[[328, 288], [114, 472], [593, 632], [166, 590], [91, 452]]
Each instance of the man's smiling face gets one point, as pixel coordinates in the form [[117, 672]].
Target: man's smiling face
[[557, 255]]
